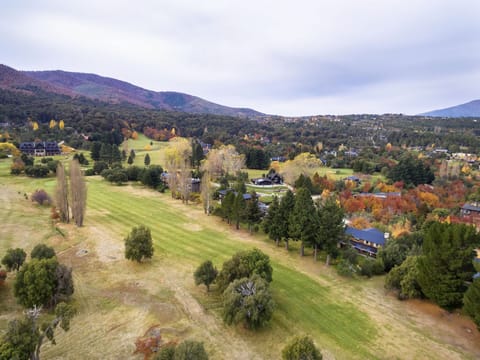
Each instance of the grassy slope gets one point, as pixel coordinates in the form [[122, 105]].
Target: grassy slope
[[119, 300]]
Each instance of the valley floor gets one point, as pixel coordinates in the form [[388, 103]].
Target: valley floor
[[118, 300]]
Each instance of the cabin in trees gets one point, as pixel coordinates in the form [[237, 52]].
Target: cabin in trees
[[366, 241], [42, 148], [222, 193], [469, 214]]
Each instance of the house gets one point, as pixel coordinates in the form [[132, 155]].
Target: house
[[275, 178], [366, 241], [262, 181], [353, 178], [42, 148], [279, 158], [378, 195]]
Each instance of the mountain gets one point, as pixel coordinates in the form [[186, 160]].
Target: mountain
[[112, 91], [116, 91], [470, 109]]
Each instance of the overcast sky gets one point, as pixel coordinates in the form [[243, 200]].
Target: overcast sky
[[279, 57]]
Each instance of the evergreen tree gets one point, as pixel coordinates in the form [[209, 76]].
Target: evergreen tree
[[301, 348], [239, 207], [138, 244], [253, 213], [205, 274], [95, 150], [303, 221], [146, 161], [227, 206], [272, 224], [286, 208], [331, 228], [106, 153], [446, 265], [471, 302]]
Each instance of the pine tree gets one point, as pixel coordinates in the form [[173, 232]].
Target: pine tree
[[227, 206], [331, 228], [253, 213], [471, 302], [286, 208], [239, 206], [303, 221], [446, 265], [272, 223], [146, 161]]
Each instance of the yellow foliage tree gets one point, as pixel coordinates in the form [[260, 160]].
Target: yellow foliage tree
[[173, 132], [304, 163], [9, 148], [134, 135], [388, 147], [147, 147], [52, 124], [466, 169], [61, 125], [34, 126]]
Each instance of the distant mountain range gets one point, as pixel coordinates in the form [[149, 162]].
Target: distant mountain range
[[470, 109], [112, 91]]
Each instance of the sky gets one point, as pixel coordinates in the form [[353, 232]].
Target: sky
[[289, 58]]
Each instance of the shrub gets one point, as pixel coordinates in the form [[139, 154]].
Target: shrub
[[301, 348], [205, 274], [138, 244], [345, 268], [190, 350], [41, 197], [42, 251], [14, 258]]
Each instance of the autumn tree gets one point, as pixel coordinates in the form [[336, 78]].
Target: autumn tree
[[303, 164], [177, 162], [205, 274], [138, 244], [206, 192], [61, 194], [78, 193]]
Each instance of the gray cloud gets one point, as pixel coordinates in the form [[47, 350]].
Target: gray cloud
[[293, 58]]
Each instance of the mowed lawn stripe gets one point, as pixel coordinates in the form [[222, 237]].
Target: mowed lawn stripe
[[301, 302]]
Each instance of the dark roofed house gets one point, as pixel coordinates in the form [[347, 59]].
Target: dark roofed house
[[222, 193], [366, 241], [42, 148], [262, 181]]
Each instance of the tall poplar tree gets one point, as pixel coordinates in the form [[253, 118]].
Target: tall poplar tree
[[78, 193], [61, 194]]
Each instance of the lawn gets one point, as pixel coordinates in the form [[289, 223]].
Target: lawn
[[119, 300]]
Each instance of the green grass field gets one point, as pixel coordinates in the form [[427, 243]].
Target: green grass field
[[119, 300]]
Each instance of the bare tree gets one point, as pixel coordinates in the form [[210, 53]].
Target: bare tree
[[78, 191], [61, 194], [177, 158], [184, 181]]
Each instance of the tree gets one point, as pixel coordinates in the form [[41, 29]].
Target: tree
[[238, 213], [146, 161], [303, 221], [248, 301], [95, 150], [14, 258], [190, 350], [130, 160], [244, 264], [272, 223], [42, 251], [206, 192], [205, 274], [286, 208], [78, 193], [36, 283], [24, 338], [227, 206], [177, 161], [331, 228], [404, 279], [253, 214], [471, 302], [301, 348], [138, 244], [446, 265]]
